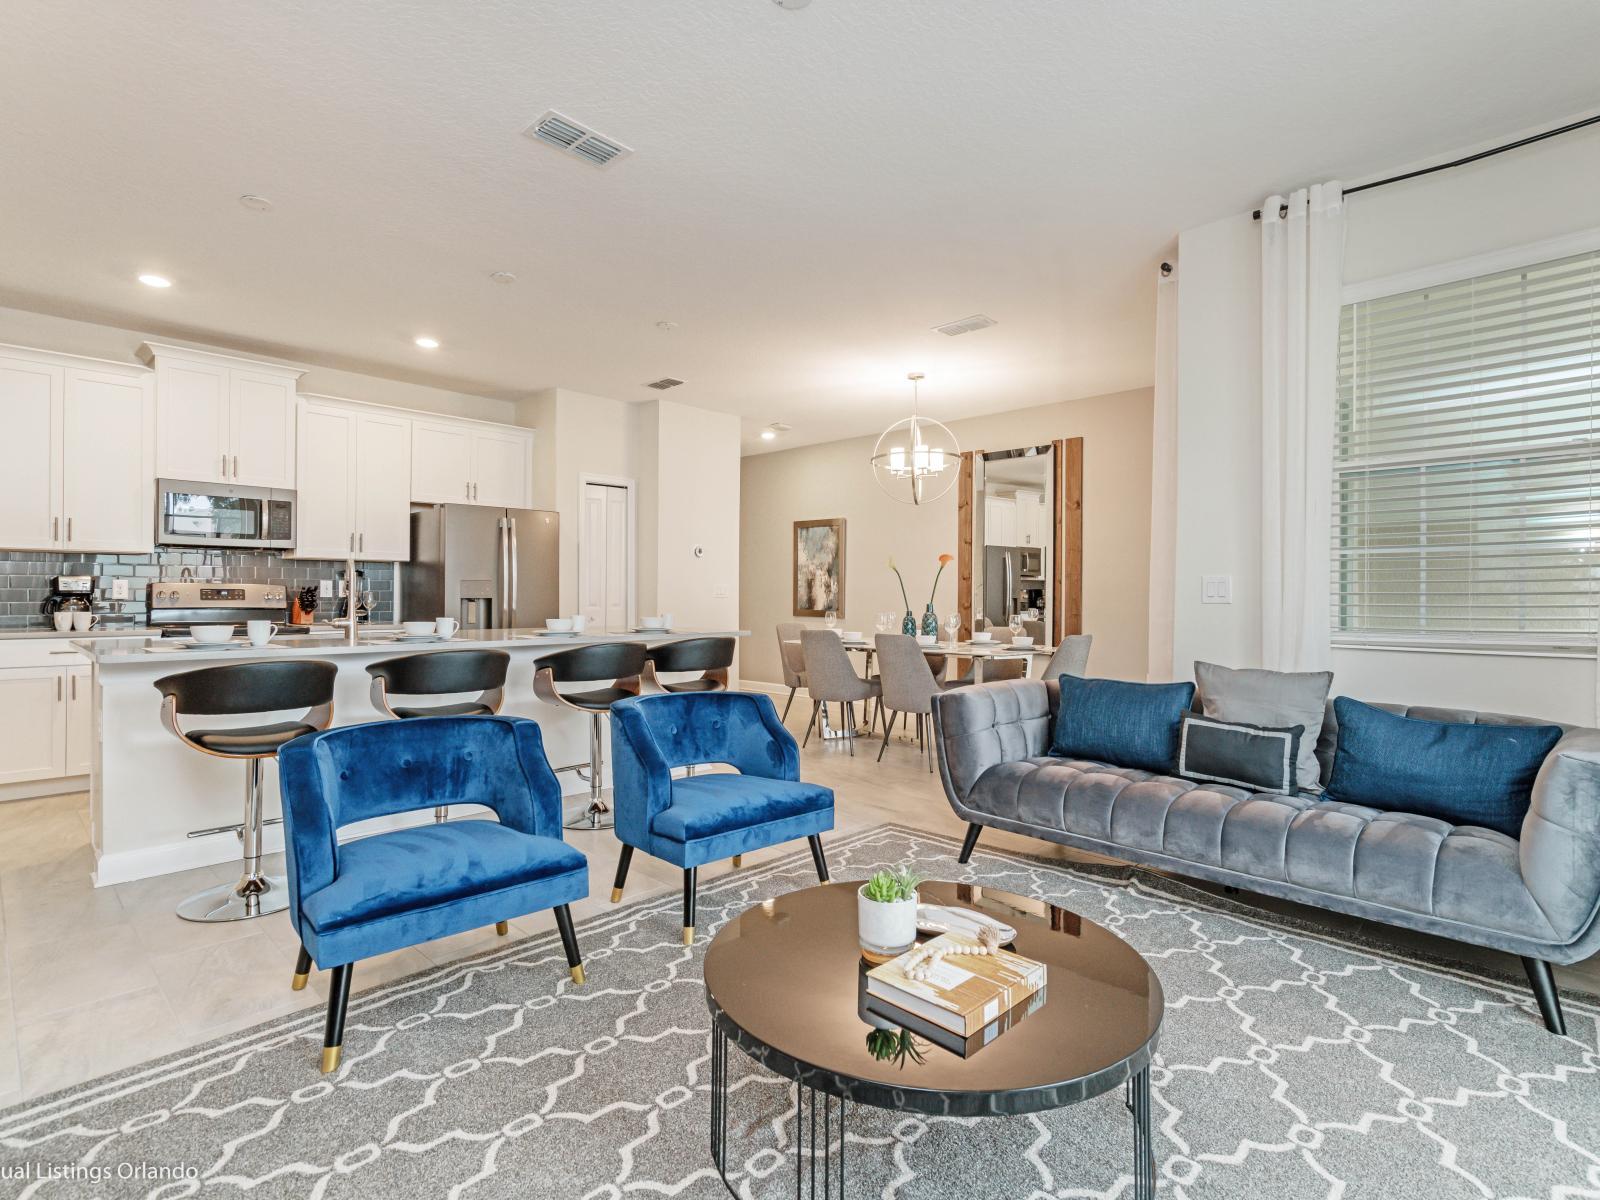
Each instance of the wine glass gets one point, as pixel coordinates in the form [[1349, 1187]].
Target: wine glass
[[830, 619], [1016, 624], [952, 623], [884, 620]]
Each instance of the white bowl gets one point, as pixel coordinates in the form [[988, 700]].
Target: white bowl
[[558, 624], [416, 628], [652, 622], [927, 639], [985, 636], [1023, 643], [211, 634], [852, 635]]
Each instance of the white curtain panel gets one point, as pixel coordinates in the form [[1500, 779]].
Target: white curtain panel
[[1302, 253], [1164, 483]]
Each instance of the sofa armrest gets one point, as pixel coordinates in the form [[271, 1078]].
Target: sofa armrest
[[976, 728], [1560, 843]]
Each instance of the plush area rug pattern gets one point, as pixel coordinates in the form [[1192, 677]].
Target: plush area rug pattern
[[1291, 1064]]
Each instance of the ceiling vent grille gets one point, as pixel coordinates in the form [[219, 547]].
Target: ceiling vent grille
[[965, 325], [564, 133], [662, 385]]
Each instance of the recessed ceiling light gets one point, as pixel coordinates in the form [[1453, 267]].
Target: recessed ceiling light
[[155, 281], [769, 435], [666, 326], [791, 3], [255, 203], [428, 343], [502, 277]]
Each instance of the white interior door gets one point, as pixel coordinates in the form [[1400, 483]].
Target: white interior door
[[106, 468], [30, 454], [604, 569]]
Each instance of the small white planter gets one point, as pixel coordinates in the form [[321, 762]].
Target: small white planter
[[885, 930]]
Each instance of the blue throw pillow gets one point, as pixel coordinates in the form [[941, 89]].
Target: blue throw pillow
[[1121, 723], [1464, 774]]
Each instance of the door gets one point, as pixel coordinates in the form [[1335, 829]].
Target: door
[[80, 720], [383, 487], [325, 486], [106, 475], [30, 456], [604, 567], [441, 464], [33, 724], [500, 466], [535, 572], [261, 429], [192, 421]]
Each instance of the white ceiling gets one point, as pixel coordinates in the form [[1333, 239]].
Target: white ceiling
[[809, 191]]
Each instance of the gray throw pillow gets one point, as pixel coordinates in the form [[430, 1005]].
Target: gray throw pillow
[[1273, 699]]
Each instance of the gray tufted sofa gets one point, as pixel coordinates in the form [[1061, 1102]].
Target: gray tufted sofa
[[1535, 896]]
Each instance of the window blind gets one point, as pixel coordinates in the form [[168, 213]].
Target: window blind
[[1465, 503]]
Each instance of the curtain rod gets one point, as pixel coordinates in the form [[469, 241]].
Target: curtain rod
[[1459, 162]]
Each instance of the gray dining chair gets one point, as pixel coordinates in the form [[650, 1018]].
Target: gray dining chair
[[996, 669], [792, 659], [909, 686], [830, 678], [1071, 657]]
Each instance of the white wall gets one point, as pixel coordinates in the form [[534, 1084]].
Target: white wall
[[835, 480], [1515, 199], [696, 505]]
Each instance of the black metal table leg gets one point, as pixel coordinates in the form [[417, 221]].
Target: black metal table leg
[[1144, 1163], [818, 1170]]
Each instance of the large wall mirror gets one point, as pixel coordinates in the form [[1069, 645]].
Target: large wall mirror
[[1020, 540]]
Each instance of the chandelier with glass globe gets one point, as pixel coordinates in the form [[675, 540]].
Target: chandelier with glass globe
[[917, 459]]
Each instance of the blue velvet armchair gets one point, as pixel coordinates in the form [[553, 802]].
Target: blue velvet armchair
[[374, 894], [698, 819]]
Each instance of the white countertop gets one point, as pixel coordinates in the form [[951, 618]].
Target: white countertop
[[175, 650], [104, 631]]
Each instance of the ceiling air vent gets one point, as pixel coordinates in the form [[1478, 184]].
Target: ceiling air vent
[[566, 134], [965, 325], [662, 385]]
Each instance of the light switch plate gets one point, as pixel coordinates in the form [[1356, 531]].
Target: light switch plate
[[1216, 589], [325, 588], [119, 589]]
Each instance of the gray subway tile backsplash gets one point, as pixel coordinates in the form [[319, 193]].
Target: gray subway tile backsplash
[[25, 578]]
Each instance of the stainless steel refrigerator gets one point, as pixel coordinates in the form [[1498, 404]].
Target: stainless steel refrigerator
[[490, 568]]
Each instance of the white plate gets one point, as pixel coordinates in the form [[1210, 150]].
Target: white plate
[[555, 633], [420, 637], [216, 645], [938, 918], [641, 629]]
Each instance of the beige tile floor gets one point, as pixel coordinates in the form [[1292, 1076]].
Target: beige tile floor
[[94, 980]]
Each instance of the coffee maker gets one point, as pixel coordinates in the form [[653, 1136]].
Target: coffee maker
[[69, 593]]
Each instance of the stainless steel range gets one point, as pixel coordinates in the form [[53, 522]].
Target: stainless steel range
[[176, 605]]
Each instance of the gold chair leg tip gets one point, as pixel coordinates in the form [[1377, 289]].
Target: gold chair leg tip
[[688, 935], [502, 927], [299, 983], [738, 861], [330, 1058], [616, 895], [577, 975]]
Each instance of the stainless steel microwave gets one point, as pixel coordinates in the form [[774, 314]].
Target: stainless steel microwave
[[223, 515]]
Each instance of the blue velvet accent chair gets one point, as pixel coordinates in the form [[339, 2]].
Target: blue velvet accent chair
[[696, 819], [371, 895]]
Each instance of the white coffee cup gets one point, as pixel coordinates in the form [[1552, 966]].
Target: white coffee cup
[[446, 627], [579, 623], [82, 621], [417, 628], [260, 632], [666, 620], [63, 622], [654, 623]]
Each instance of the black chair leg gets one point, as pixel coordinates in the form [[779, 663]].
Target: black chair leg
[[569, 942], [788, 704], [1544, 991], [889, 724], [810, 725], [847, 723], [302, 970], [333, 1030], [970, 842], [818, 857], [691, 884], [623, 863]]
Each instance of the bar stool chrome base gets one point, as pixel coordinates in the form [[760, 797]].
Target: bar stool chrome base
[[595, 815], [252, 896]]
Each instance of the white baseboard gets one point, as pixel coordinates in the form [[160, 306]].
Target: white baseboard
[[44, 787]]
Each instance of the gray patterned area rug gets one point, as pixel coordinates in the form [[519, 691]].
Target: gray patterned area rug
[[1291, 1065]]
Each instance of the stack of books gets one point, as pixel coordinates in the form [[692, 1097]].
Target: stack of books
[[969, 998]]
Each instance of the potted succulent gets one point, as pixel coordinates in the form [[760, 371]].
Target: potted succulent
[[886, 913]]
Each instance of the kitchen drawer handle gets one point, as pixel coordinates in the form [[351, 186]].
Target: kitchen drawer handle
[[63, 652]]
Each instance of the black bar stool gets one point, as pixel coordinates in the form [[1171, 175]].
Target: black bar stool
[[440, 674], [712, 656], [620, 662], [234, 690]]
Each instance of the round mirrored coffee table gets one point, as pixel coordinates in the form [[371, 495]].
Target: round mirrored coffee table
[[786, 984]]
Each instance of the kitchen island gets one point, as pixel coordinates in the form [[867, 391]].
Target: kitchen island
[[148, 792]]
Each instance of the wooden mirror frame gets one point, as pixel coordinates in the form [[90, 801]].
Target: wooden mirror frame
[[1066, 559]]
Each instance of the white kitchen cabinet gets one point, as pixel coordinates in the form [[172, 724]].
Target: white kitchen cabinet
[[79, 719], [33, 723], [221, 419], [76, 461], [471, 462], [354, 484], [999, 521], [1030, 519]]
